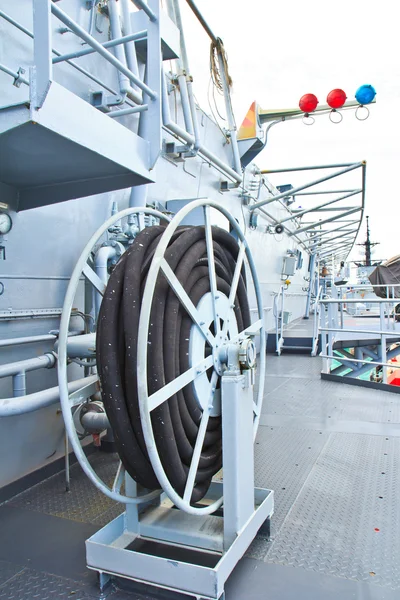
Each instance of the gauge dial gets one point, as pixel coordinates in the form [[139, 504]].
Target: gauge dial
[[5, 223]]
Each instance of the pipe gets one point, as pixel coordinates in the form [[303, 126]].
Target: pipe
[[94, 422], [17, 76], [335, 218], [71, 24], [310, 287], [116, 33], [202, 21], [183, 71], [70, 62], [19, 384], [307, 185], [10, 407], [103, 255], [47, 361], [140, 35], [128, 111], [187, 96], [229, 112], [295, 215], [81, 346], [27, 340], [130, 48], [143, 6], [185, 82], [175, 129], [311, 168]]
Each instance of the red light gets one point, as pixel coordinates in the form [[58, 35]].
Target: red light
[[308, 103], [336, 98]]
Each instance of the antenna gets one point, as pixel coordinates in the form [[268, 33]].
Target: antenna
[[368, 246]]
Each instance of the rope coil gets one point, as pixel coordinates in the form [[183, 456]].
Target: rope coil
[[217, 49]]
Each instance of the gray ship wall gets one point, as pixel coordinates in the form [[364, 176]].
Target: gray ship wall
[[45, 243]]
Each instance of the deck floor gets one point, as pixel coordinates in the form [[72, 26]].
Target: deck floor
[[331, 452]]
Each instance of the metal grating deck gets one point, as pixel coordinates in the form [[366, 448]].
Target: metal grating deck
[[331, 453]]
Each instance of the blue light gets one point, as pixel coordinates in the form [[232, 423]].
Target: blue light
[[365, 94]]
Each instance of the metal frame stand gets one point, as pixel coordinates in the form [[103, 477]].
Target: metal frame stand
[[156, 544]]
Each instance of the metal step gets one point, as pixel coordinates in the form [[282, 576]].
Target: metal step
[[286, 347]]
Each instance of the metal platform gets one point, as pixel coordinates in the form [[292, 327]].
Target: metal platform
[[330, 452], [51, 155]]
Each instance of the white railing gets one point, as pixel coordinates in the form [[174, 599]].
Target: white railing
[[333, 326], [317, 310], [363, 294], [279, 305]]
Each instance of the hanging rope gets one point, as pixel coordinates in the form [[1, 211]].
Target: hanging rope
[[217, 49]]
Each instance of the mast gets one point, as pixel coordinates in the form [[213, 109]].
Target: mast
[[368, 246]]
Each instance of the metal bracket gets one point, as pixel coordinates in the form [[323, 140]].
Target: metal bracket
[[18, 80]]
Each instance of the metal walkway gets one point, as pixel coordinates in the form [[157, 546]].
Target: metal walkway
[[330, 452]]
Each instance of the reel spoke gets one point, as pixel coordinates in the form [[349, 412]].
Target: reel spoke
[[94, 279], [236, 275], [194, 465], [253, 329], [177, 384], [211, 268], [186, 301], [234, 285], [119, 478]]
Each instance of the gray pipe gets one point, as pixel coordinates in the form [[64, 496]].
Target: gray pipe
[[130, 48], [19, 384], [10, 407], [116, 33], [64, 18], [103, 255], [94, 422], [31, 364], [185, 83], [175, 129], [27, 340], [81, 346]]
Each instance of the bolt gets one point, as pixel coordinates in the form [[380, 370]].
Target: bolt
[[201, 323], [216, 297]]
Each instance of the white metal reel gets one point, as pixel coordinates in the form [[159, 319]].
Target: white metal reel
[[210, 308], [69, 401]]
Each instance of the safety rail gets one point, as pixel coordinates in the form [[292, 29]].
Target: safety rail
[[374, 351], [363, 294], [279, 305], [317, 310]]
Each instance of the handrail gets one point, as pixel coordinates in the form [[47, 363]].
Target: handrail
[[316, 322], [329, 328], [278, 310], [79, 31]]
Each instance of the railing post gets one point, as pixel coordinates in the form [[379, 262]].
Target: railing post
[[383, 341], [152, 121], [42, 72], [276, 301], [310, 287], [341, 309], [324, 339]]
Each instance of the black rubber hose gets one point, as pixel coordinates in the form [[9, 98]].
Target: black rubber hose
[[176, 421]]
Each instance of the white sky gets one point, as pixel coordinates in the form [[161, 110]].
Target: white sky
[[279, 51]]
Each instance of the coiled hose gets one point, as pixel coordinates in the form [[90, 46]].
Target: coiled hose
[[176, 421]]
